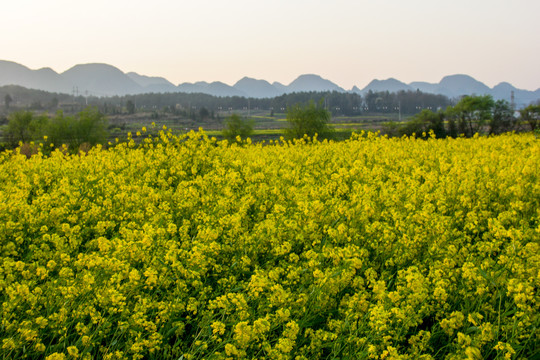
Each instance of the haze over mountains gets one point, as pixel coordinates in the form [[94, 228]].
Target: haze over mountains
[[107, 80]]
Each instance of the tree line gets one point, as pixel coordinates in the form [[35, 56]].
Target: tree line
[[337, 103], [190, 104], [471, 115]]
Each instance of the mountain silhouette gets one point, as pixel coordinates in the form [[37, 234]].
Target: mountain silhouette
[[101, 80], [152, 84], [12, 73], [215, 88], [424, 86], [106, 80], [311, 82], [257, 88], [457, 85], [390, 85]]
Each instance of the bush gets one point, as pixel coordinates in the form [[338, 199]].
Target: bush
[[531, 116], [237, 126], [423, 122], [24, 126], [88, 126], [308, 120]]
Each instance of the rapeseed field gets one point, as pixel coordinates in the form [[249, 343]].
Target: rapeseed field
[[190, 248]]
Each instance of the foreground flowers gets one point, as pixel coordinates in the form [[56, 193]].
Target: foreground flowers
[[185, 246]]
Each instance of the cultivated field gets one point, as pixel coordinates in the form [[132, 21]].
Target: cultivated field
[[187, 248]]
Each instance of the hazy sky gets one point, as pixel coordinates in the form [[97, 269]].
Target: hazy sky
[[348, 42]]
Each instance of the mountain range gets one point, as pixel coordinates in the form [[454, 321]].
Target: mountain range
[[107, 80]]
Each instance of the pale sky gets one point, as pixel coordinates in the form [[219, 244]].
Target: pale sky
[[345, 41]]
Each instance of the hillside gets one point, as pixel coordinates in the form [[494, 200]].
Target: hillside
[[106, 80]]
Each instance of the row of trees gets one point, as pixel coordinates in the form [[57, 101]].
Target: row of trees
[[338, 103], [86, 127], [189, 104], [311, 119], [471, 115], [406, 102]]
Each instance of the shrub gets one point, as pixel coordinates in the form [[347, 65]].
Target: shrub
[[237, 126], [309, 120]]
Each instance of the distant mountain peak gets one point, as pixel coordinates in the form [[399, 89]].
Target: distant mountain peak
[[504, 84], [101, 79], [257, 88], [312, 82], [461, 84], [5, 63], [95, 67], [309, 76], [12, 73], [106, 80], [390, 84], [247, 78], [457, 77], [152, 83]]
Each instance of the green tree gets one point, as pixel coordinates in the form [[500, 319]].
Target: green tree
[[531, 115], [91, 126], [503, 118], [7, 101], [308, 120], [452, 128], [237, 126], [130, 107], [425, 121], [24, 126], [204, 113], [472, 113], [88, 126], [53, 104]]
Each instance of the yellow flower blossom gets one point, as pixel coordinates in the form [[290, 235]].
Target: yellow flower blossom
[[56, 356], [73, 351], [184, 246]]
